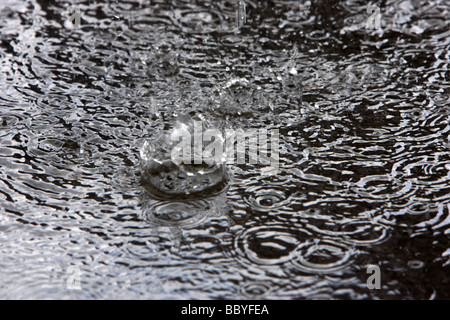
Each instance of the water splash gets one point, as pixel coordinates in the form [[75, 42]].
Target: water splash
[[165, 179]]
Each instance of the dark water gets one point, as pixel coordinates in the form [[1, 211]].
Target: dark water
[[364, 129]]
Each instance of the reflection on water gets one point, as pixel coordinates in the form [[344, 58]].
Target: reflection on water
[[364, 174]]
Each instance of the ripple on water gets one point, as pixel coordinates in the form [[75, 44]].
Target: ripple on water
[[176, 213], [416, 264], [419, 215], [267, 199], [384, 187], [255, 290], [145, 250], [431, 170], [322, 256], [278, 180], [352, 231], [269, 245]]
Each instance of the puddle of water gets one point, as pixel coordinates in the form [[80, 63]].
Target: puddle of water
[[92, 207]]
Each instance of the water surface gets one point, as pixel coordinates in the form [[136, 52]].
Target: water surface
[[364, 149]]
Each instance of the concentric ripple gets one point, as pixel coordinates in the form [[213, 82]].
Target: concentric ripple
[[266, 199], [384, 187], [430, 170], [322, 256], [255, 290], [352, 231], [176, 213], [269, 245], [417, 215]]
